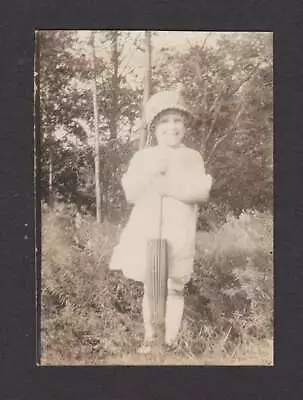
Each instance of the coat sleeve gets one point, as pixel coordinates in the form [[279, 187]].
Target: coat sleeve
[[193, 185], [135, 180]]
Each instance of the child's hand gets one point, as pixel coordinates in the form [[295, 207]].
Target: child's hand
[[158, 185], [162, 166], [159, 166]]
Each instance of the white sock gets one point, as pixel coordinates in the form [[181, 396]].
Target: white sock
[[174, 313], [148, 329]]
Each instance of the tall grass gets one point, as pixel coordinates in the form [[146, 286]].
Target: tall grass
[[91, 315]]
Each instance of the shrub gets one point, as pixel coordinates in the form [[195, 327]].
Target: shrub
[[83, 304], [212, 215], [90, 314], [234, 275]]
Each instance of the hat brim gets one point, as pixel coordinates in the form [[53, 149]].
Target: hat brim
[[183, 111]]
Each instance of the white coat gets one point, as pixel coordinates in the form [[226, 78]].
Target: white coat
[[187, 178]]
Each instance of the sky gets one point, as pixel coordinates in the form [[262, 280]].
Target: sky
[[179, 39], [133, 64], [135, 59]]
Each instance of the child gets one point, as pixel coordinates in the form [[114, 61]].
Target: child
[[176, 173]]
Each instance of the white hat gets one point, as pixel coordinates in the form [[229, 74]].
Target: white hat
[[162, 101]]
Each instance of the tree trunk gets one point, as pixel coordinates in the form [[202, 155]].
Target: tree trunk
[[147, 86], [96, 132], [51, 195], [106, 205], [115, 84], [113, 123]]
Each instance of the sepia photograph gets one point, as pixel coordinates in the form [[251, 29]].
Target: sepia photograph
[[155, 163]]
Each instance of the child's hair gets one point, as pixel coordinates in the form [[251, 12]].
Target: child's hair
[[170, 100], [156, 119], [163, 101], [151, 132]]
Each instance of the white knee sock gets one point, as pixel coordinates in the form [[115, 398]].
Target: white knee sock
[[174, 313], [148, 329]]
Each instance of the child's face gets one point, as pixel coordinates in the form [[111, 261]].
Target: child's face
[[170, 129]]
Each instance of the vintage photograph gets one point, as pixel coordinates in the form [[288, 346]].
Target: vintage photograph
[[155, 161]]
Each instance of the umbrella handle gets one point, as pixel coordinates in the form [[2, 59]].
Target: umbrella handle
[[160, 215], [160, 218]]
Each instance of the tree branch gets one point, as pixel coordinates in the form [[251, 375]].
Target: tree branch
[[205, 40], [216, 107], [222, 138], [245, 80], [129, 55]]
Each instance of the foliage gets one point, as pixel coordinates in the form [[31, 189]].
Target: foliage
[[228, 88], [56, 70], [234, 272], [91, 315], [68, 136]]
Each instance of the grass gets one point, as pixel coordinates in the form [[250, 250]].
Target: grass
[[259, 353], [253, 354], [91, 316]]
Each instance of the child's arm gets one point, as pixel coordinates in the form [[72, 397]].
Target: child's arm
[[136, 180], [193, 186]]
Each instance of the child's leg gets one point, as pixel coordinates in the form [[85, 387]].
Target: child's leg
[[174, 309], [148, 329]]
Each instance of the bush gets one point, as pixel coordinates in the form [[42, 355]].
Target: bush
[[90, 314], [212, 215], [234, 276], [83, 304]]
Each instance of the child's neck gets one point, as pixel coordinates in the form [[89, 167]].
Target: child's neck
[[165, 147]]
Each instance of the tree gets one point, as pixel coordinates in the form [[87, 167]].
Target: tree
[[96, 130], [54, 75], [229, 90], [74, 125], [147, 86]]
